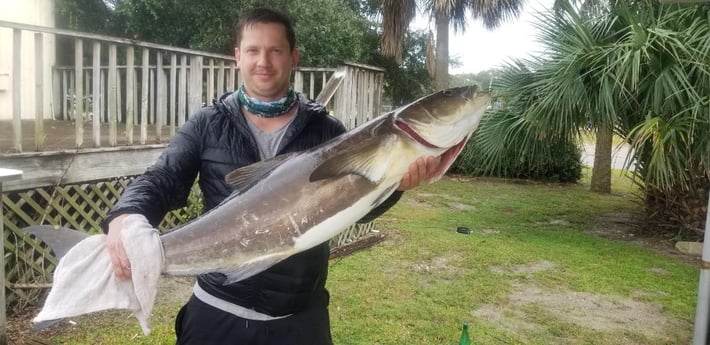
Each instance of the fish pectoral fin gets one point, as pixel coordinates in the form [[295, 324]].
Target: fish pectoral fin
[[245, 177], [252, 267], [370, 161]]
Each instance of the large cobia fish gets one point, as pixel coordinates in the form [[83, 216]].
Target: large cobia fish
[[281, 206], [291, 203]]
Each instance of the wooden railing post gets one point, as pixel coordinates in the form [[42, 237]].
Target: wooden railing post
[[144, 95], [96, 94], [78, 99], [194, 98], [56, 94], [210, 82], [182, 91], [160, 101], [17, 89], [172, 113], [298, 81], [39, 92], [220, 78], [111, 93], [130, 91]]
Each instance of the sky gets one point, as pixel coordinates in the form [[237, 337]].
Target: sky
[[479, 49]]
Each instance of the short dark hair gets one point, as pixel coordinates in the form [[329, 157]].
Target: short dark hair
[[265, 16]]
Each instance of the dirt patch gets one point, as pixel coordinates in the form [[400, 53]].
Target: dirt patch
[[418, 203], [524, 269], [595, 311], [559, 222], [631, 318], [437, 271], [461, 207], [438, 265], [436, 196], [627, 227], [488, 231]]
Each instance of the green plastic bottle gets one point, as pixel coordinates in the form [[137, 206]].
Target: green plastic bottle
[[464, 340]]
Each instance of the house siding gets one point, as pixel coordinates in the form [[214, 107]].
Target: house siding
[[35, 12]]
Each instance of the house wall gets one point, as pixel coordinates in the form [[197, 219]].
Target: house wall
[[35, 12]]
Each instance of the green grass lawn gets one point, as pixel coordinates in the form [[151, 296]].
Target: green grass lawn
[[530, 272]]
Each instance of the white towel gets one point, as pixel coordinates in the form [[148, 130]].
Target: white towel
[[84, 280]]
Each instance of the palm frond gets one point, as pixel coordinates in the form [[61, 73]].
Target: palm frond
[[495, 12]]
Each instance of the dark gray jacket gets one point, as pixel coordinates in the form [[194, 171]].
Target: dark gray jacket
[[212, 143]]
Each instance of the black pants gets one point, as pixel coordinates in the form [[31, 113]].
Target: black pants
[[200, 324]]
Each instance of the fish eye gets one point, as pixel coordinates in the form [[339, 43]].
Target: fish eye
[[448, 92]]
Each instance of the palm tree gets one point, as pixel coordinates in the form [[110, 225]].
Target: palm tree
[[577, 43], [398, 14], [641, 72]]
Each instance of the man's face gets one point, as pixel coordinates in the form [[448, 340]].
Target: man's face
[[265, 61]]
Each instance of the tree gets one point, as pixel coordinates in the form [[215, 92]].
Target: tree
[[408, 80], [578, 41], [398, 14], [641, 71], [321, 25], [89, 15]]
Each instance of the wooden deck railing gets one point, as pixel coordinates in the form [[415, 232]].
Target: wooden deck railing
[[125, 92]]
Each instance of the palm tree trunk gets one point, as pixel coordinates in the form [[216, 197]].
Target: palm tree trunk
[[442, 51], [601, 172]]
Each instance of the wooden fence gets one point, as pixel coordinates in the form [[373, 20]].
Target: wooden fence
[[121, 101], [140, 92]]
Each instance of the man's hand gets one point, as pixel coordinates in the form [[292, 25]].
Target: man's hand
[[421, 170], [119, 259]]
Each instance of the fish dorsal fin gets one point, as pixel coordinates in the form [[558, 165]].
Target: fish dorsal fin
[[245, 177], [370, 161]]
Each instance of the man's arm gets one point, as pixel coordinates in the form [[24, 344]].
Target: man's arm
[[164, 186]]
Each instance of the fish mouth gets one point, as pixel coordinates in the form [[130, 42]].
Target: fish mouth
[[446, 159]]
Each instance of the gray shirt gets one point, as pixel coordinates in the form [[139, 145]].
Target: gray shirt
[[269, 143]]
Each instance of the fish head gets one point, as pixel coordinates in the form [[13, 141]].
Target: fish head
[[443, 121]]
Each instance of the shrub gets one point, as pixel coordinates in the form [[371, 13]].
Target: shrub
[[551, 162]]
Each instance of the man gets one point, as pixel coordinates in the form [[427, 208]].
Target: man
[[286, 304]]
